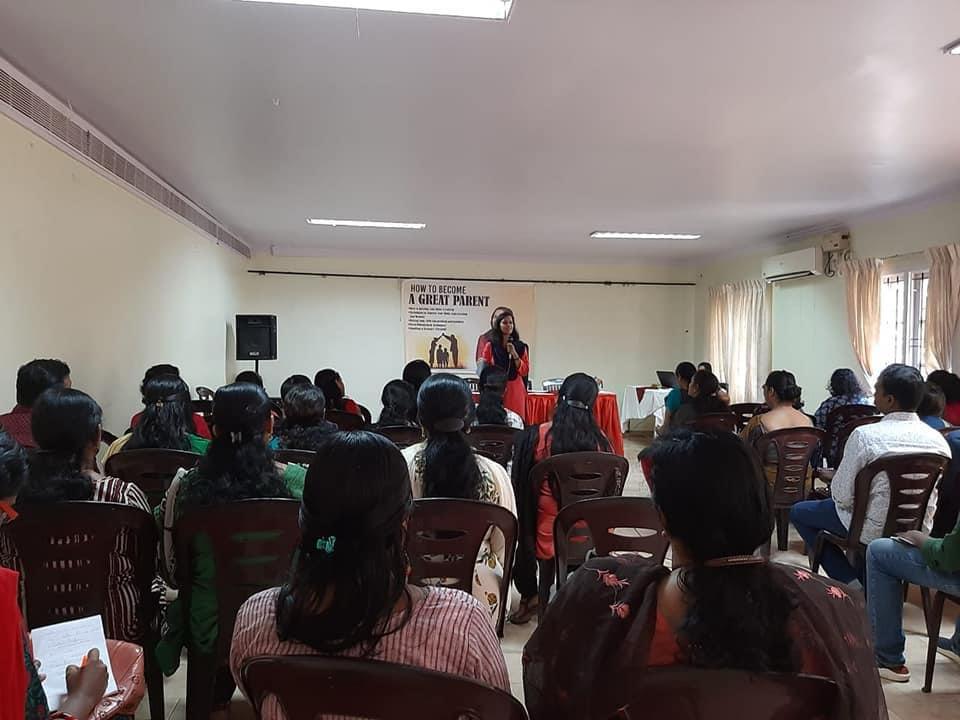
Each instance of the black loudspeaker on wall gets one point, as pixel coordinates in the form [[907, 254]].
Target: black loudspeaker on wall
[[256, 337]]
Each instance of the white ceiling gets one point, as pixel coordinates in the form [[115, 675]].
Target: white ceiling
[[739, 119]]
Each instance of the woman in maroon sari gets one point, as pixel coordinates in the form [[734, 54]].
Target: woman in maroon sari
[[720, 608]]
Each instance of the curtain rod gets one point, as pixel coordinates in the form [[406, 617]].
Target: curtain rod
[[607, 283]]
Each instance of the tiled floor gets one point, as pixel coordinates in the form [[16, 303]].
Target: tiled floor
[[905, 701]]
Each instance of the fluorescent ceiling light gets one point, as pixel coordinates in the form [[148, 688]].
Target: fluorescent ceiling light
[[642, 236], [952, 49], [489, 9], [367, 224]]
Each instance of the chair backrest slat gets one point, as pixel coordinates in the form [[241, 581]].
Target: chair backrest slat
[[150, 469], [371, 689], [493, 441]]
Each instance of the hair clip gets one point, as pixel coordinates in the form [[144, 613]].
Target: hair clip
[[577, 404], [326, 544], [236, 437]]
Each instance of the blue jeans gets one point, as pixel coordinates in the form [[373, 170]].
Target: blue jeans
[[888, 564], [812, 516]]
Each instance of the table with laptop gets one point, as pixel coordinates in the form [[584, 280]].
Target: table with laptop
[[642, 401]]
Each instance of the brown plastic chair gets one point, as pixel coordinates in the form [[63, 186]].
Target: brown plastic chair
[[694, 694], [253, 542], [912, 478], [444, 536], [616, 524], [573, 477], [365, 414], [402, 436], [474, 383], [493, 441], [934, 616], [795, 447], [150, 469], [836, 421], [348, 687], [299, 457], [345, 420], [713, 422], [204, 393], [107, 437], [847, 430], [64, 550], [745, 413]]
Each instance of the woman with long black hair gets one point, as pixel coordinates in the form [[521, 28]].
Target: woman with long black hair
[[348, 593], [505, 351], [721, 607], [574, 428], [165, 421], [704, 398], [238, 465], [490, 409], [330, 382], [399, 401], [66, 426], [445, 465]]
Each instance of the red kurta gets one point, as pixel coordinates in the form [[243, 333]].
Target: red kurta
[[515, 397]]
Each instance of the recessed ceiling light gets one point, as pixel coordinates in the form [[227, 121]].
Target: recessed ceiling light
[[603, 235], [952, 49], [367, 224], [488, 9]]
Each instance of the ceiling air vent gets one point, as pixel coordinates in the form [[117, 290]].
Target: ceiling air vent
[[94, 147]]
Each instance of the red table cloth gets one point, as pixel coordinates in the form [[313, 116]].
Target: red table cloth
[[540, 407]]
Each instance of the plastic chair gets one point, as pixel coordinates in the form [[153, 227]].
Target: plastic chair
[[403, 436], [371, 689], [205, 393], [365, 414], [107, 437], [795, 447], [934, 616], [847, 430], [573, 477], [444, 536], [948, 431], [714, 422], [299, 457], [64, 550], [345, 420], [745, 413], [252, 542], [493, 441], [474, 383], [911, 477], [837, 419], [616, 524], [694, 694], [150, 469]]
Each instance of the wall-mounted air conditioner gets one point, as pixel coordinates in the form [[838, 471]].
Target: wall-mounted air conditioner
[[799, 264]]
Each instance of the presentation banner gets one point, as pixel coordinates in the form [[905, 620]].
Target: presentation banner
[[443, 319]]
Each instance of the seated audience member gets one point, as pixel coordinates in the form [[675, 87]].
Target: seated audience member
[[574, 429], [399, 401], [196, 423], [722, 392], [490, 409], [704, 397], [446, 466], [331, 383], [32, 379], [416, 372], [721, 607], [20, 688], [783, 396], [304, 425], [678, 395], [292, 382], [932, 406], [165, 421], [924, 561], [250, 377], [950, 384], [844, 390], [899, 390], [238, 466], [348, 595], [66, 426]]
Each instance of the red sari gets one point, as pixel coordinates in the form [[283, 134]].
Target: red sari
[[13, 671], [515, 396]]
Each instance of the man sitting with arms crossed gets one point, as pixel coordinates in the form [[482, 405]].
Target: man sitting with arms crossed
[[899, 390]]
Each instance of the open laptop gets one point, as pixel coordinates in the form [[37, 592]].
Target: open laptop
[[666, 379]]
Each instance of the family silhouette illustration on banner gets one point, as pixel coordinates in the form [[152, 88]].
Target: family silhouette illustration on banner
[[445, 357]]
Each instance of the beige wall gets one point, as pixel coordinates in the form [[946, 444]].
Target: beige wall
[[809, 315], [102, 279]]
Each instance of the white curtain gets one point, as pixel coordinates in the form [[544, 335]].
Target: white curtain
[[738, 322], [863, 279], [943, 306]]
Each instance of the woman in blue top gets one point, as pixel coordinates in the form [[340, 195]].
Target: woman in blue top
[[844, 389]]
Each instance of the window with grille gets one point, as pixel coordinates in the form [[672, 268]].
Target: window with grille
[[903, 314]]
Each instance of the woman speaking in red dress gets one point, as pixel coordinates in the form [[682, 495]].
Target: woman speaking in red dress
[[505, 351]]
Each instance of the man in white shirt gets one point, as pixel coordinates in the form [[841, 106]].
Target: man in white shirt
[[899, 390]]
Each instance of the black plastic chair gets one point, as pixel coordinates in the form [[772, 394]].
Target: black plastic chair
[[345, 420], [493, 441], [150, 469], [299, 457], [403, 436]]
